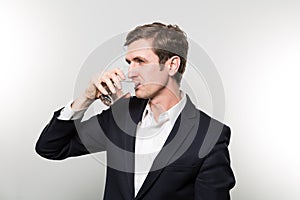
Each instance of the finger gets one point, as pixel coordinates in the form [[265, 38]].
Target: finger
[[100, 84], [98, 94], [100, 87], [109, 84], [116, 80], [120, 73]]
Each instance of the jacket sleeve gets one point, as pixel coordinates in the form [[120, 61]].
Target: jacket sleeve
[[61, 139], [215, 177]]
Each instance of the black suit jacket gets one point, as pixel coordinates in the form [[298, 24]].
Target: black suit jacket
[[194, 163]]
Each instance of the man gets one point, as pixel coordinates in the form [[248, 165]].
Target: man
[[154, 140]]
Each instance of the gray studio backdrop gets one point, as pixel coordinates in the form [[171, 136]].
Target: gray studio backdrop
[[254, 45]]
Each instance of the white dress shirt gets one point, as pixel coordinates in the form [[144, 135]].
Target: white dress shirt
[[150, 136]]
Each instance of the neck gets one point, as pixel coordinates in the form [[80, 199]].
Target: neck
[[165, 100]]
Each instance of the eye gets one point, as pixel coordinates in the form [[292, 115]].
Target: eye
[[140, 61]]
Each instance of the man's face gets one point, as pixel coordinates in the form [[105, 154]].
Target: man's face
[[144, 69]]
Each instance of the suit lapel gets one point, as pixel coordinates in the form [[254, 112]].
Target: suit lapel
[[178, 141], [127, 113]]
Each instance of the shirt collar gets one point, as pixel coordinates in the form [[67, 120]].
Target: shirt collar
[[170, 114]]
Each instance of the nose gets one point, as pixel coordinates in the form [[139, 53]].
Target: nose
[[131, 71]]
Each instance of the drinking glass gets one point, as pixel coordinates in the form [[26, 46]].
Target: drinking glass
[[127, 90]]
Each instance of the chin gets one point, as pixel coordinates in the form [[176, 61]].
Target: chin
[[141, 95]]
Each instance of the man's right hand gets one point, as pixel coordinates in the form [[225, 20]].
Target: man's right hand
[[96, 88]]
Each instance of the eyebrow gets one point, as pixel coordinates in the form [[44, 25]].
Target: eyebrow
[[137, 58]]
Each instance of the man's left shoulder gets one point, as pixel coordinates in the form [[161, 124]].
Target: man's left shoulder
[[214, 121], [213, 131], [204, 118]]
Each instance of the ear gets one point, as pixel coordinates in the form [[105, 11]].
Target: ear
[[173, 65]]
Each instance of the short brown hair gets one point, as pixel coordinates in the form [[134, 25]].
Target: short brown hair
[[168, 40]]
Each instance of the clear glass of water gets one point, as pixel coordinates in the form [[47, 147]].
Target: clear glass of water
[[127, 91]]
